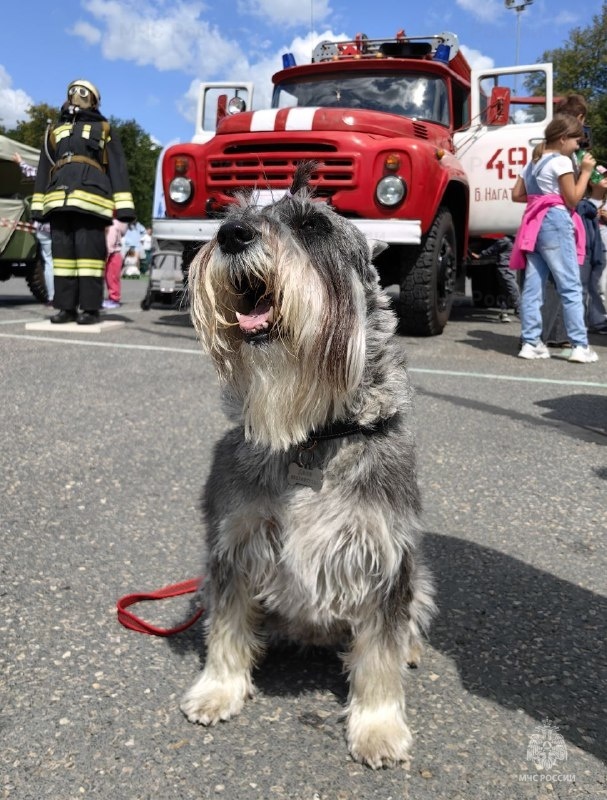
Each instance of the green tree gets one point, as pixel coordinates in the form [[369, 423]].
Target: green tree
[[31, 131], [580, 66], [140, 151], [141, 156]]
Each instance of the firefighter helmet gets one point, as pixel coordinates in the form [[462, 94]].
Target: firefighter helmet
[[81, 98]]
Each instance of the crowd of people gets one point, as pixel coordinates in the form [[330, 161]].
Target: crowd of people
[[559, 244], [129, 248], [89, 234]]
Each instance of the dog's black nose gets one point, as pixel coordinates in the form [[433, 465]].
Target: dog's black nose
[[234, 237]]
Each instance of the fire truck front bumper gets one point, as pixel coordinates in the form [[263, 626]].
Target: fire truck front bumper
[[391, 231]]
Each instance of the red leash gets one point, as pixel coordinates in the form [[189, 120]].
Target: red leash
[[135, 623]]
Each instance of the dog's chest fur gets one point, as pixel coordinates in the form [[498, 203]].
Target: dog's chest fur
[[315, 559]]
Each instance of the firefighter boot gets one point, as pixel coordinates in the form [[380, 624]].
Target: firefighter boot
[[63, 316], [88, 318]]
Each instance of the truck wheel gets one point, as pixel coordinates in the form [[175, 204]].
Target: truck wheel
[[34, 278], [428, 280]]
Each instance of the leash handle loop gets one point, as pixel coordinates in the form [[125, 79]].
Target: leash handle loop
[[135, 623]]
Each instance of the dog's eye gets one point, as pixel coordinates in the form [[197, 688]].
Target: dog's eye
[[315, 223]]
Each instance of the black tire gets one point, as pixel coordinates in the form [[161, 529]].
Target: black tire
[[34, 278], [428, 280]]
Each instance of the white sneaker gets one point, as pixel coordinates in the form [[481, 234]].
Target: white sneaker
[[530, 351], [583, 355]]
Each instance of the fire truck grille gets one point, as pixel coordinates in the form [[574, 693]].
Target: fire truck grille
[[250, 166]]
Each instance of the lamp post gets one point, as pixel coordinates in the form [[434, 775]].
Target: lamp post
[[518, 6]]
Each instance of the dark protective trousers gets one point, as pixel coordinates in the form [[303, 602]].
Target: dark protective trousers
[[79, 253]]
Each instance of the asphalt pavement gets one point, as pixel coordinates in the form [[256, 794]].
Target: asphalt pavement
[[106, 443]]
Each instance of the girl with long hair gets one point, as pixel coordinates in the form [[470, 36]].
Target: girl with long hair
[[551, 237]]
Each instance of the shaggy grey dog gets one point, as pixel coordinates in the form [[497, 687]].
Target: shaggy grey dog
[[312, 505]]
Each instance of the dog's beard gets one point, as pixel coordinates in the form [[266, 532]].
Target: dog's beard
[[303, 376]]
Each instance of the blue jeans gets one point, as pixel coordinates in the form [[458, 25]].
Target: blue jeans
[[596, 313], [44, 240], [554, 253]]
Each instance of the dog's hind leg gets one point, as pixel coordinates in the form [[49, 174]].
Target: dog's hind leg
[[421, 610], [377, 730], [225, 682]]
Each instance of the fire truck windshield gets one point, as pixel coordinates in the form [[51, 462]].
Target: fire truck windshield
[[412, 95]]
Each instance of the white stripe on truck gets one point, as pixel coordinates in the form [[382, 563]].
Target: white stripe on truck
[[300, 119]]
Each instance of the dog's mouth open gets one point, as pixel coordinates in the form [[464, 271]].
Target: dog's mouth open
[[257, 316]]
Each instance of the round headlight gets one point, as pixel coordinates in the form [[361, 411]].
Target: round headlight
[[180, 190], [390, 190]]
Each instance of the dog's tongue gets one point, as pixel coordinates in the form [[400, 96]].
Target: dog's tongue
[[260, 314]]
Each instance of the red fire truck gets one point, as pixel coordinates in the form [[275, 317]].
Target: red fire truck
[[413, 146]]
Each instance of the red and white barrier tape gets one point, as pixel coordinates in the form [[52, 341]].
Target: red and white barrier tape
[[18, 226]]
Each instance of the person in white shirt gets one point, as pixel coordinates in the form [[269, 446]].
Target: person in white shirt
[[550, 230]]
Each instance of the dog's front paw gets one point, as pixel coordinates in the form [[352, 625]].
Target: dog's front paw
[[379, 737], [210, 700]]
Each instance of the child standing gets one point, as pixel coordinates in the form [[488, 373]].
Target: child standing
[[113, 264], [550, 239]]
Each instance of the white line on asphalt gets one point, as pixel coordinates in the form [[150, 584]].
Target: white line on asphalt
[[115, 345], [15, 321], [520, 378], [198, 351]]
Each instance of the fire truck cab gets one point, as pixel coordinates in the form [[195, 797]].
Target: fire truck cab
[[410, 144]]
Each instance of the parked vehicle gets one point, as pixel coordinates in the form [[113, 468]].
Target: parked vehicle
[[417, 149], [20, 255]]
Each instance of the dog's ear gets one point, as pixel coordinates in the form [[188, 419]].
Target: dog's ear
[[376, 246], [303, 173]]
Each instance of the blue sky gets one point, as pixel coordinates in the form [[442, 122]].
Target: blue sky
[[148, 56]]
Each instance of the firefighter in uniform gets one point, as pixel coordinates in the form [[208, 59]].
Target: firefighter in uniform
[[82, 183]]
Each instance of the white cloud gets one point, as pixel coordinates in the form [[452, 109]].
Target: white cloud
[[259, 72], [485, 10], [86, 31], [566, 18], [287, 12], [476, 59], [175, 36], [13, 102], [167, 37]]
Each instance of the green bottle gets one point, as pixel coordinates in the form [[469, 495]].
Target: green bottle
[[595, 176]]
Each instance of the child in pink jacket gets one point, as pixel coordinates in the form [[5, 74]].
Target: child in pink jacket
[[550, 240]]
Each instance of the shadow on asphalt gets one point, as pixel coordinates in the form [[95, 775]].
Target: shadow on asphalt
[[181, 319], [521, 637], [506, 340], [286, 670], [19, 300], [583, 414], [588, 411]]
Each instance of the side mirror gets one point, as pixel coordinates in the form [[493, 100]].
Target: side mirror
[[222, 106], [498, 110]]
